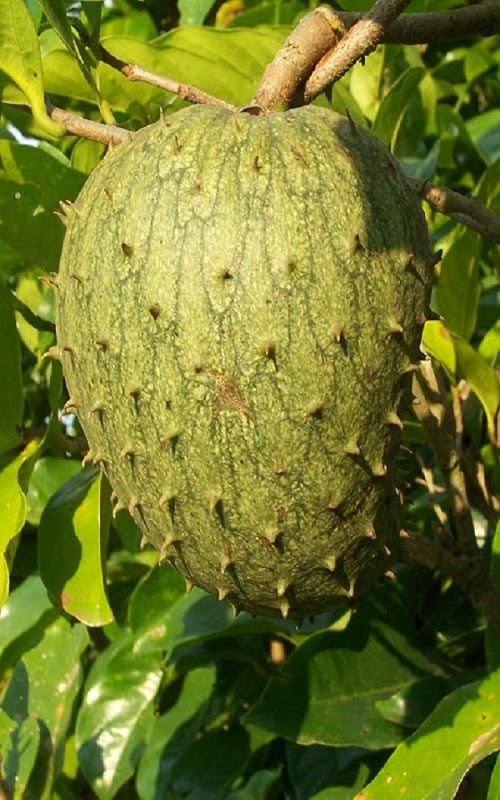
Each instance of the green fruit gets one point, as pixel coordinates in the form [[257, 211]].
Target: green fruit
[[241, 299]]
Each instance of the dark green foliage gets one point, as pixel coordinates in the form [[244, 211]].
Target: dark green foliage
[[176, 698]]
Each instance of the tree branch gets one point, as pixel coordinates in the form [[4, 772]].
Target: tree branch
[[469, 572], [466, 210], [481, 19], [79, 126], [309, 41], [183, 90], [319, 32], [360, 40]]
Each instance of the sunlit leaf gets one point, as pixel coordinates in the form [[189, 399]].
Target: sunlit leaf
[[20, 59], [19, 752], [463, 729], [44, 685], [72, 543], [13, 506], [116, 715], [395, 104], [458, 288], [23, 618]]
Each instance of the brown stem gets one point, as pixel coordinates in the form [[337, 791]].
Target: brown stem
[[314, 37], [360, 40], [293, 64], [466, 210], [481, 19], [468, 571], [136, 73], [79, 126]]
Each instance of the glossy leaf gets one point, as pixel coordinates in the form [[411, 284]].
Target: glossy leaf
[[116, 715], [366, 82], [412, 704], [20, 59], [346, 674], [489, 349], [460, 360], [394, 106], [48, 475], [12, 395], [33, 183], [72, 543], [206, 57], [40, 300], [173, 733], [463, 729], [44, 685], [13, 506], [484, 131], [23, 618], [19, 752], [458, 288]]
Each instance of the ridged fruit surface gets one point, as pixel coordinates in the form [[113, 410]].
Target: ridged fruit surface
[[240, 301]]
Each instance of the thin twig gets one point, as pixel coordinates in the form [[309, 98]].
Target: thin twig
[[183, 90], [360, 40], [466, 210], [468, 571], [88, 129]]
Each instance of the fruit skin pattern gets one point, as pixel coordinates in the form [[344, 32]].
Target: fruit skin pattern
[[240, 302]]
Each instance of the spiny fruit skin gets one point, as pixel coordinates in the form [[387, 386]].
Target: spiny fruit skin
[[240, 300]]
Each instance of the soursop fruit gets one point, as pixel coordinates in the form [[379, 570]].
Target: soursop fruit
[[240, 305]]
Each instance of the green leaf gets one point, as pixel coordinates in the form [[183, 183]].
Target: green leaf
[[489, 349], [19, 752], [225, 62], [154, 596], [411, 705], [492, 643], [481, 377], [20, 60], [13, 506], [116, 715], [494, 789], [12, 395], [329, 773], [23, 618], [484, 131], [33, 182], [366, 82], [460, 360], [193, 12], [72, 543], [44, 685], [462, 730], [173, 733], [394, 105], [346, 673], [48, 475], [39, 299], [261, 786], [459, 288]]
